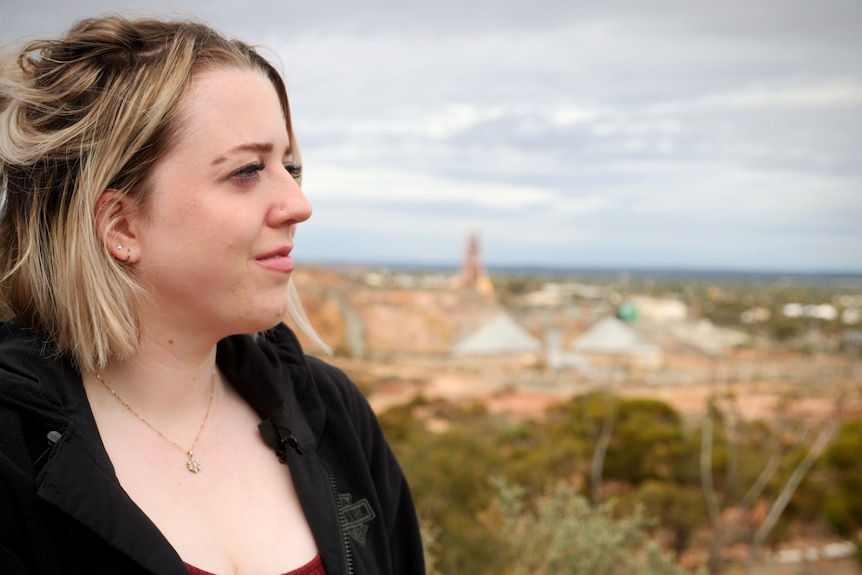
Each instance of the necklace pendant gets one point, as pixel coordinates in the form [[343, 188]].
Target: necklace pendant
[[193, 464]]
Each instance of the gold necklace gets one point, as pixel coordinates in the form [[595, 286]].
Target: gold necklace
[[192, 464]]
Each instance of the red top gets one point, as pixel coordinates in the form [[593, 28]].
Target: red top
[[313, 567]]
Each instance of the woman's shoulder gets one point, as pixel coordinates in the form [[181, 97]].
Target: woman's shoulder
[[28, 362], [38, 394], [16, 339]]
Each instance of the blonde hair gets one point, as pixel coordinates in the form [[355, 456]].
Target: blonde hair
[[88, 112]]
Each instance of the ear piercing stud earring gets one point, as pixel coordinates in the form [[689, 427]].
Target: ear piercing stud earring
[[128, 252]]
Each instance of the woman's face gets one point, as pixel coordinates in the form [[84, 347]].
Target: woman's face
[[214, 246]]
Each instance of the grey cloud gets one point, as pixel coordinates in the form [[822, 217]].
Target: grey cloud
[[651, 131]]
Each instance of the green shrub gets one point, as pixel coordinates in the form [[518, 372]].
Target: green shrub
[[559, 533]]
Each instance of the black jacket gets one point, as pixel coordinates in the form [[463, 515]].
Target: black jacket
[[62, 509]]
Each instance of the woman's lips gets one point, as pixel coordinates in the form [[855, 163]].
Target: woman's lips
[[279, 261]]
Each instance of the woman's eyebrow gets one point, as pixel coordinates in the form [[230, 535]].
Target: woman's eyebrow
[[263, 148]]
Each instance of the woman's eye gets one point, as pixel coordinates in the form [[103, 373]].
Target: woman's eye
[[249, 172], [294, 171]]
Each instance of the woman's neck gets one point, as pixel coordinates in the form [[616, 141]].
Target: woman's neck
[[170, 374]]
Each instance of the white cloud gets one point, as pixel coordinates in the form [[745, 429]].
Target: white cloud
[[566, 116], [845, 92], [360, 185]]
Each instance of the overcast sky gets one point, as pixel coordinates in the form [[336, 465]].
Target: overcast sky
[[630, 133]]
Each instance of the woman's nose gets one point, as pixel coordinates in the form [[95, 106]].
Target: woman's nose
[[292, 208]]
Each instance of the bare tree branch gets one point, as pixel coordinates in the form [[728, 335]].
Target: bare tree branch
[[730, 417], [709, 486], [604, 439], [762, 481], [814, 452]]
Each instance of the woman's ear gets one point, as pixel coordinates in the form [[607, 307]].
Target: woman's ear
[[115, 225]]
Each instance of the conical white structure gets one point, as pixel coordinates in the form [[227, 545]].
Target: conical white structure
[[500, 336]]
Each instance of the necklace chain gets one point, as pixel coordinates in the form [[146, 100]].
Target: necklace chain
[[192, 464]]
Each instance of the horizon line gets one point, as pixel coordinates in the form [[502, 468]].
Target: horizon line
[[592, 268]]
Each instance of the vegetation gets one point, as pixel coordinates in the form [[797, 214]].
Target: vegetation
[[843, 502], [560, 533], [509, 497], [606, 483]]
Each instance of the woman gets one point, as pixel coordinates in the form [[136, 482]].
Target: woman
[[155, 414]]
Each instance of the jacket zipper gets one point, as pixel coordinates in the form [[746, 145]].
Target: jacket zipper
[[345, 540]]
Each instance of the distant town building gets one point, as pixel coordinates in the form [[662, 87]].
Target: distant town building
[[556, 358], [659, 309], [757, 314], [473, 274], [825, 311], [851, 315]]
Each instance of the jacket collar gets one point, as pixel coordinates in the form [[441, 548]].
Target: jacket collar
[[268, 370], [271, 373]]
